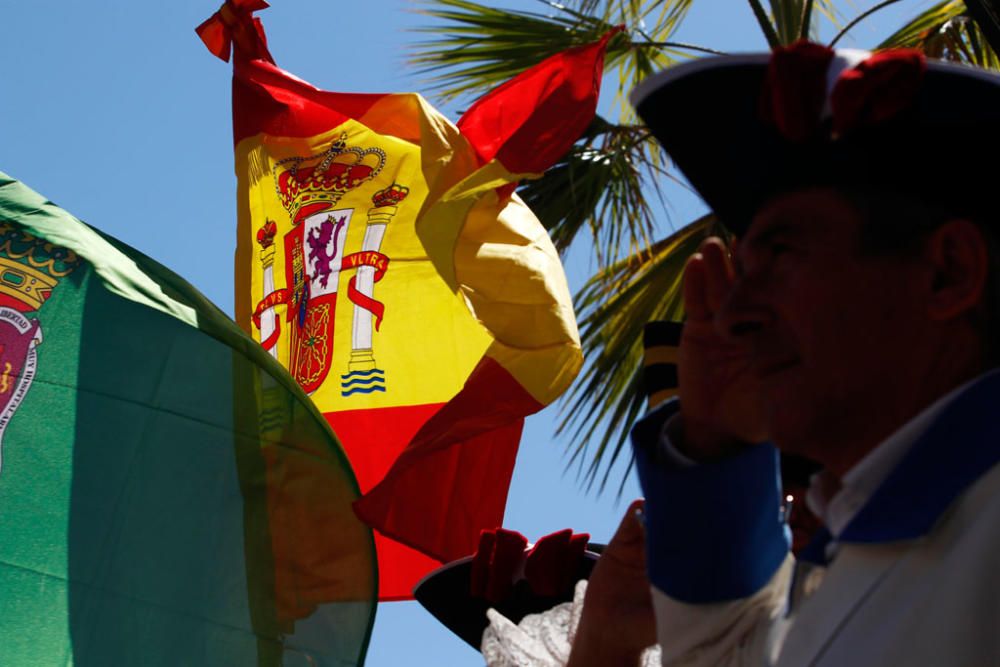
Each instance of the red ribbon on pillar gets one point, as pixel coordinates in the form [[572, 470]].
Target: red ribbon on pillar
[[380, 263]]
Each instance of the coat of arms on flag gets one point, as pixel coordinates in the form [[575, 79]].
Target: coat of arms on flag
[[30, 268], [310, 189]]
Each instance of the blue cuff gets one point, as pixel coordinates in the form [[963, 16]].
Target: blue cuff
[[714, 532]]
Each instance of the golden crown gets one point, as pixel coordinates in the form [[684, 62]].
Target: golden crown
[[30, 267], [390, 196], [312, 184]]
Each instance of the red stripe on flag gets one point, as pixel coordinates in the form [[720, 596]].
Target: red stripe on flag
[[268, 100], [400, 568], [524, 122], [451, 481], [372, 439]]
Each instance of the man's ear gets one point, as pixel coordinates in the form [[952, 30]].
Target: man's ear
[[958, 258]]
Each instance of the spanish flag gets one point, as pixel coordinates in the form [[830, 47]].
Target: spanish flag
[[383, 258]]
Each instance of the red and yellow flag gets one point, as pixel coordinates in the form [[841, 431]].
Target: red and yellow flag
[[383, 259]]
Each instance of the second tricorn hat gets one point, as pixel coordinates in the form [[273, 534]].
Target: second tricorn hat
[[745, 128]]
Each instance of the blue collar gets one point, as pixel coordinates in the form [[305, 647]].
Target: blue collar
[[956, 450], [815, 551]]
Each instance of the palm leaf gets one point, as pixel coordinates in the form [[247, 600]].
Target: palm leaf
[[655, 51], [946, 31], [613, 308], [788, 16], [600, 185], [630, 10], [479, 47], [791, 20], [963, 41], [925, 26], [476, 47], [986, 14], [859, 18], [766, 24]]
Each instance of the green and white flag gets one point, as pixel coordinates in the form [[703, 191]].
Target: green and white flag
[[168, 495]]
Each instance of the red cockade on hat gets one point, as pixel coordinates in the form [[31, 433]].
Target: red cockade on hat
[[794, 93], [550, 566], [794, 89], [877, 89], [502, 558], [496, 563]]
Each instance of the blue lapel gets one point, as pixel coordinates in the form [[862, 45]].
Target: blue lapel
[[958, 448], [815, 551]]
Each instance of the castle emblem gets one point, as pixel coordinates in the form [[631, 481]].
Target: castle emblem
[[310, 189], [30, 269]]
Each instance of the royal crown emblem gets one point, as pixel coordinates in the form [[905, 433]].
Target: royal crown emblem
[[30, 269], [309, 185]]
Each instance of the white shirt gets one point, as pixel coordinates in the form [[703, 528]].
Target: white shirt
[[838, 508], [837, 504]]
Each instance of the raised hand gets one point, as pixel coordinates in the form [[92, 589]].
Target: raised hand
[[720, 397], [617, 622]]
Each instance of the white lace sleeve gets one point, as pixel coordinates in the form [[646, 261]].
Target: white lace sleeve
[[541, 640]]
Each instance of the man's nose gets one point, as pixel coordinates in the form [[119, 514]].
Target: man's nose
[[743, 314]]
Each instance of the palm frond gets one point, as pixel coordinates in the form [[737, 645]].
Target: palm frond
[[478, 47], [632, 12], [980, 50], [963, 41], [613, 308], [805, 24], [925, 26], [805, 15], [791, 20], [828, 10], [859, 18], [986, 14], [946, 31], [655, 51], [788, 16], [602, 184], [766, 24]]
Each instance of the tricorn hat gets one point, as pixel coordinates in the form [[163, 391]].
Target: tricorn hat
[[745, 128], [508, 575]]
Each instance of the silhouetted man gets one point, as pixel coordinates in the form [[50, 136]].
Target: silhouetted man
[[853, 322]]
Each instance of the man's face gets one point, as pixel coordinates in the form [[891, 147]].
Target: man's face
[[831, 332]]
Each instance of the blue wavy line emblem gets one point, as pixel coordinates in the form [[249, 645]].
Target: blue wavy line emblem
[[363, 390], [362, 382], [352, 374]]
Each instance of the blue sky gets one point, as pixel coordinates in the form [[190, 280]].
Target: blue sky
[[115, 111]]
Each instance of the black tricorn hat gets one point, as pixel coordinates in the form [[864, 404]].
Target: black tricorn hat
[[447, 593], [745, 128]]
